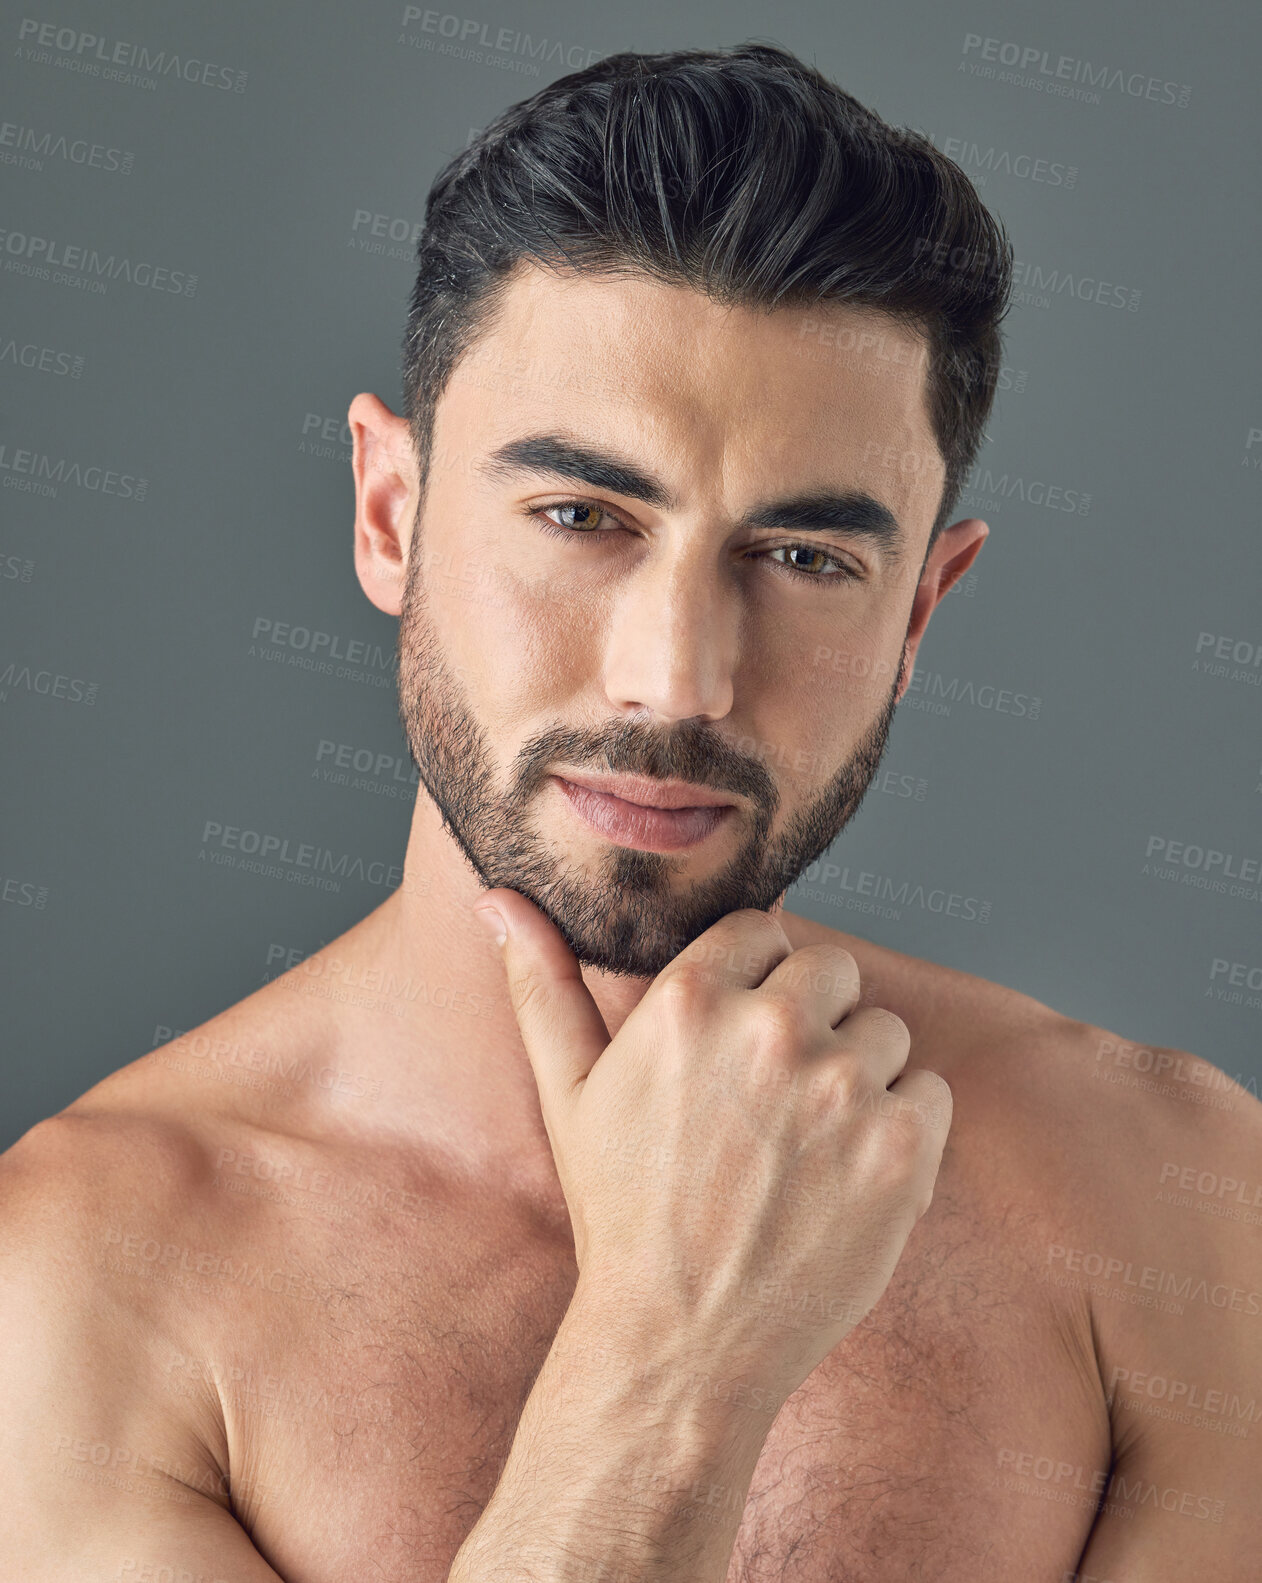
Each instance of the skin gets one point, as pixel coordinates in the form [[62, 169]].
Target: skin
[[469, 1315]]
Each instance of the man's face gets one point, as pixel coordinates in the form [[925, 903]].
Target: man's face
[[666, 547]]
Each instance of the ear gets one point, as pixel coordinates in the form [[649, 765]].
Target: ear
[[386, 497], [956, 549]]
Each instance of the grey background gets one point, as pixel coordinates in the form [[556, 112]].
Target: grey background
[[116, 930]]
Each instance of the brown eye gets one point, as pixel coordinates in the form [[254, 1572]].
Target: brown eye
[[808, 561], [803, 559], [586, 518]]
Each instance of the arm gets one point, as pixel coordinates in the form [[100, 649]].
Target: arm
[[1183, 1377], [624, 1468], [100, 1483], [743, 1164]]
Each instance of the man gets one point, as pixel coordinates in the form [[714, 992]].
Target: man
[[617, 1251]]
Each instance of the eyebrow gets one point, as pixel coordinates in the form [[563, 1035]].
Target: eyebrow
[[851, 511]]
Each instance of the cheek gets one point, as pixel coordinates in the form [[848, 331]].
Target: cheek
[[811, 691], [524, 653], [799, 741], [821, 674]]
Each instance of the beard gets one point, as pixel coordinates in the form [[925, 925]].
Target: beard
[[622, 915]]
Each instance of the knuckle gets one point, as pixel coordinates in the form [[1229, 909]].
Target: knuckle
[[781, 1022], [529, 992], [888, 1026], [753, 927], [903, 1170], [937, 1103], [843, 968], [940, 1089], [684, 991], [824, 969], [875, 1028], [847, 1085]]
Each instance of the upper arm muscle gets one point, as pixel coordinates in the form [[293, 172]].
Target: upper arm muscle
[[102, 1478]]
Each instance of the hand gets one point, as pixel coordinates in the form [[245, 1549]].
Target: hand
[[745, 1161]]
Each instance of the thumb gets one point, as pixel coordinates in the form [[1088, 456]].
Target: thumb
[[561, 1025]]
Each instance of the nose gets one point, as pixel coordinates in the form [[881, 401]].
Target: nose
[[672, 643]]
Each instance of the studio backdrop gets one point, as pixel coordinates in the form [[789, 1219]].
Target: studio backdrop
[[208, 228]]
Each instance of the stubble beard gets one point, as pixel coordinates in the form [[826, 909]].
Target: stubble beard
[[620, 914]]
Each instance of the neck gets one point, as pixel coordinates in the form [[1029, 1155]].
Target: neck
[[440, 1038]]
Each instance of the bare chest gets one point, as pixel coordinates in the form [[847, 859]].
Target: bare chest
[[370, 1409]]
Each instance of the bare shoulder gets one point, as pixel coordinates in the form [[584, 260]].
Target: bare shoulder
[[1111, 1137], [1133, 1171], [1108, 1101], [1164, 1251], [91, 1419], [75, 1190]]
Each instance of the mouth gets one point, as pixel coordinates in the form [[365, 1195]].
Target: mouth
[[647, 815]]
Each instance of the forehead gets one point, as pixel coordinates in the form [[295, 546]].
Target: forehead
[[833, 394]]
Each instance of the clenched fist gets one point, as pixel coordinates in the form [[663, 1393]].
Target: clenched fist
[[745, 1160]]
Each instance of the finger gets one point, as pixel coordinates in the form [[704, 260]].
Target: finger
[[926, 1099], [561, 1025], [824, 977], [737, 952], [879, 1040]]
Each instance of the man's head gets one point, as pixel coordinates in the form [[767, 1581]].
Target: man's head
[[699, 355]]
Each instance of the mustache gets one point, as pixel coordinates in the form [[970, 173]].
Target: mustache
[[689, 751]]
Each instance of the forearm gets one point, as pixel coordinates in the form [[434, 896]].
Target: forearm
[[630, 1464]]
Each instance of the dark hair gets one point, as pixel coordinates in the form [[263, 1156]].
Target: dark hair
[[743, 173]]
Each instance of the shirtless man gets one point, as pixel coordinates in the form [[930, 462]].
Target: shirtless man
[[614, 1251]]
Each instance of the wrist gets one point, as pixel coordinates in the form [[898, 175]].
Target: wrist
[[632, 1458], [646, 1361]]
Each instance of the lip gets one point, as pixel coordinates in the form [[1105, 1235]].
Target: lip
[[669, 826], [648, 793]]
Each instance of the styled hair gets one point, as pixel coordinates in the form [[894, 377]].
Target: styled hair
[[743, 173]]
